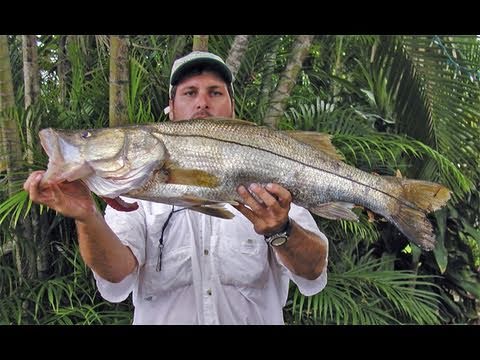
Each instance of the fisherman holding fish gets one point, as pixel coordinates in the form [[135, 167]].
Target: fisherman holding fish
[[193, 261]]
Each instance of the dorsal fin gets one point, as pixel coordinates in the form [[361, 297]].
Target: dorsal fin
[[320, 141], [232, 121]]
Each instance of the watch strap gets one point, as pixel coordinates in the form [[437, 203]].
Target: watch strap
[[284, 232]]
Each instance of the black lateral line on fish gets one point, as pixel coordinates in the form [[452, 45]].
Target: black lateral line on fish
[[413, 206]]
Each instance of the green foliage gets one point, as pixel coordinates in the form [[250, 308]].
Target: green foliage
[[391, 113], [431, 101], [63, 299], [255, 80], [407, 103], [13, 207], [461, 240], [323, 116], [368, 293], [138, 112]]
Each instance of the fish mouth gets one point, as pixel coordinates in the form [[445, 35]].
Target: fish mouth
[[46, 139], [49, 142], [58, 169]]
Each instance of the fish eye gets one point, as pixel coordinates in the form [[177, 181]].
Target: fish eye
[[86, 134]]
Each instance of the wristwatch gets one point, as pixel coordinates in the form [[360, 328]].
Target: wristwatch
[[281, 237]]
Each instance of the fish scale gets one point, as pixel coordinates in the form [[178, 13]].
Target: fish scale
[[200, 163], [191, 148]]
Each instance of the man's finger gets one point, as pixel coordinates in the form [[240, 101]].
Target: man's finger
[[283, 195], [56, 191], [249, 199], [33, 184], [246, 212], [268, 199], [34, 175]]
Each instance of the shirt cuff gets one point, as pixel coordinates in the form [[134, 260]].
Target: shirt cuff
[[116, 292], [310, 287]]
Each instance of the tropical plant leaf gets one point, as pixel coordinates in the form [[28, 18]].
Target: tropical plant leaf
[[367, 294]]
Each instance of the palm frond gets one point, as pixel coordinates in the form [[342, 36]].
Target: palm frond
[[434, 103], [156, 55], [254, 72], [139, 109], [385, 153], [323, 116], [14, 206], [369, 294], [65, 299]]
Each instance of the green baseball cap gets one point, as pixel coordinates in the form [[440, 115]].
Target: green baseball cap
[[198, 58]]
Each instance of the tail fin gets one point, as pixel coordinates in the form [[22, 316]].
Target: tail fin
[[426, 195], [420, 198]]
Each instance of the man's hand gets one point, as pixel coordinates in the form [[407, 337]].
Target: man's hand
[[270, 213], [72, 199]]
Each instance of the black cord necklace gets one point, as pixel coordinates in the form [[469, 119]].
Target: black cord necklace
[[160, 241]]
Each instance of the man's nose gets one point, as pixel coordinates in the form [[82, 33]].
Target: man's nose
[[202, 101]]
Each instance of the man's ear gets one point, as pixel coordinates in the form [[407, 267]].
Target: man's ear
[[171, 116]]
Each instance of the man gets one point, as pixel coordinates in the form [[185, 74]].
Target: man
[[184, 267]]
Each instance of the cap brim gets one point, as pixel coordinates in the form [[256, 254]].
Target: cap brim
[[222, 69]]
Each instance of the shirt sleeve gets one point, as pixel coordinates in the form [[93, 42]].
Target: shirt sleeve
[[307, 287], [130, 229]]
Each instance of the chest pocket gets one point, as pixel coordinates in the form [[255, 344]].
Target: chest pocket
[[176, 269], [243, 261], [176, 272]]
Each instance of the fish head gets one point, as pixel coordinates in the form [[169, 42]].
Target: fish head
[[108, 160], [72, 153]]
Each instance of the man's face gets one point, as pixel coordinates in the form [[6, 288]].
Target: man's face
[[201, 96]]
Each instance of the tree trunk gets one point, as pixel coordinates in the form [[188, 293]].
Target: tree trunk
[[200, 43], [336, 87], [179, 44], [267, 81], [10, 146], [30, 228], [63, 68], [39, 256], [237, 52], [32, 88], [119, 80], [287, 80]]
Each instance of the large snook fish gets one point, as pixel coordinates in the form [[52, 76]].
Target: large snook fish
[[200, 163]]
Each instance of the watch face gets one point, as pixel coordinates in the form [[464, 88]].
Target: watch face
[[279, 240]]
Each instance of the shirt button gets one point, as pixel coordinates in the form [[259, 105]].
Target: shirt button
[[205, 252], [209, 292]]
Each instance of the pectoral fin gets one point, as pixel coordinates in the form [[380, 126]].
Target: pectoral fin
[[335, 211], [190, 200], [206, 206], [213, 210]]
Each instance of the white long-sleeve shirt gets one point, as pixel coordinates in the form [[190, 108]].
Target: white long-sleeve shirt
[[213, 271]]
